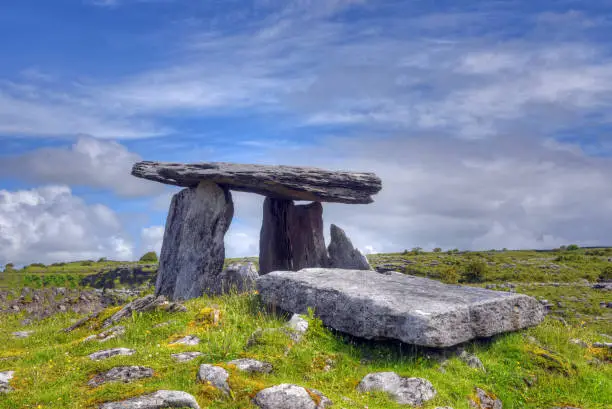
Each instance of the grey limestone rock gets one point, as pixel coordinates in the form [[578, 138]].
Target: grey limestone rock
[[159, 400], [193, 250], [405, 391], [5, 378], [251, 365], [22, 334], [291, 236], [186, 356], [108, 353], [281, 182], [485, 400], [107, 335], [146, 303], [342, 254], [190, 340], [288, 396], [121, 374], [471, 360], [237, 276], [216, 376], [297, 327], [412, 309]]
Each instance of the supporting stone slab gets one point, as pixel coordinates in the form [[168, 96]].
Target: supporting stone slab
[[397, 306], [193, 250], [291, 236]]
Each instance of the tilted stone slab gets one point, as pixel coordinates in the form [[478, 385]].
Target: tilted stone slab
[[412, 309], [281, 182]]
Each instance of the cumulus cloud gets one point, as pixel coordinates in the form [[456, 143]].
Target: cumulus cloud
[[151, 239], [88, 162], [50, 224]]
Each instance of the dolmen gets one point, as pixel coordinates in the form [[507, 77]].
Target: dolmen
[[291, 237], [396, 306]]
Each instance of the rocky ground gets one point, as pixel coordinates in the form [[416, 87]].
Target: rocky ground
[[229, 352]]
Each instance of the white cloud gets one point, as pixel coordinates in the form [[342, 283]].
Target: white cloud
[[49, 224], [151, 239], [88, 162]]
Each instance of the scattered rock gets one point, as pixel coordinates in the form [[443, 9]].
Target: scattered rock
[[5, 378], [22, 334], [107, 335], [602, 344], [147, 303], [108, 353], [579, 342], [163, 324], [215, 376], [239, 277], [471, 360], [121, 374], [484, 400], [186, 356], [405, 391], [187, 340], [288, 396], [297, 327], [342, 254], [251, 365], [81, 322], [397, 306], [159, 400], [193, 249]]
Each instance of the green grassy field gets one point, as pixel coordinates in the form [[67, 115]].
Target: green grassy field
[[535, 368]]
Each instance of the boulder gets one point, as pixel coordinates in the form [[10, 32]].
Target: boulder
[[146, 303], [159, 400], [280, 182], [251, 365], [5, 378], [186, 356], [342, 254], [237, 276], [288, 396], [193, 250], [405, 391], [121, 374], [190, 340], [396, 306], [108, 353], [471, 360], [291, 236], [215, 376]]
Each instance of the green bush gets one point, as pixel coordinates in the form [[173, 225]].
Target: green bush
[[475, 272], [606, 274], [437, 250], [87, 263], [572, 247], [150, 257], [37, 265], [450, 275]]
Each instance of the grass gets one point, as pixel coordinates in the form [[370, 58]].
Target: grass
[[535, 368]]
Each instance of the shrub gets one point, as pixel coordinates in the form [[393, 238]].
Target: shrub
[[101, 259], [37, 265], [606, 274], [437, 250], [9, 267], [150, 257], [572, 247], [450, 275], [474, 272], [416, 250], [87, 263]]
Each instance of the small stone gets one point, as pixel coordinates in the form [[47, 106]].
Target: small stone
[[5, 378], [251, 365], [602, 344], [163, 324], [485, 401], [22, 334], [579, 342], [405, 391], [159, 400], [108, 353], [188, 340], [471, 360], [297, 326], [215, 376], [107, 335], [288, 396], [186, 356], [121, 374]]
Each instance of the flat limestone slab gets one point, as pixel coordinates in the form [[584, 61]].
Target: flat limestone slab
[[412, 309], [281, 182]]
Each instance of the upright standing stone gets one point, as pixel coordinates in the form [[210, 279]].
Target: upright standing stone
[[291, 236], [193, 249], [342, 254]]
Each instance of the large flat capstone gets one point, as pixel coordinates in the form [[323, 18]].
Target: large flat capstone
[[280, 182], [396, 306]]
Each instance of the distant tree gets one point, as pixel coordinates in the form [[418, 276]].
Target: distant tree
[[416, 250], [150, 257], [405, 251], [37, 265], [9, 267], [573, 247], [563, 248], [437, 250], [101, 259], [504, 249]]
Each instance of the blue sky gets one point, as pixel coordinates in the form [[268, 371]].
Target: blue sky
[[488, 121]]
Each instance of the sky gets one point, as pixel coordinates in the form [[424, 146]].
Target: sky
[[489, 122]]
